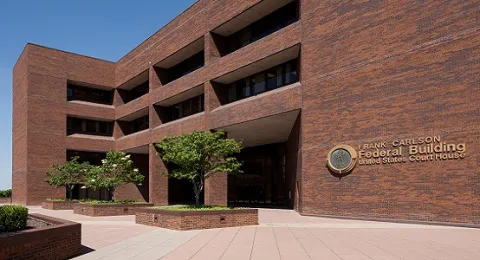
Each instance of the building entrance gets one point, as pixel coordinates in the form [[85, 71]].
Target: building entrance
[[264, 181]]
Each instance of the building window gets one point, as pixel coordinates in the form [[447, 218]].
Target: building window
[[89, 127], [264, 81], [92, 95], [186, 108], [187, 66], [134, 93], [93, 158], [267, 25], [139, 124]]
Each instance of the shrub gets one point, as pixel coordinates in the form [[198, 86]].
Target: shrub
[[13, 218], [5, 193], [113, 202], [199, 155], [68, 174], [116, 168]]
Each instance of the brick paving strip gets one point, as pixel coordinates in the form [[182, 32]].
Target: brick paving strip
[[282, 234]]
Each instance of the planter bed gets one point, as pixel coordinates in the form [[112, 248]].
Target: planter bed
[[44, 238], [98, 210], [58, 204], [196, 219]]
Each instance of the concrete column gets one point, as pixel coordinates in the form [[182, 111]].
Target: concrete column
[[158, 187], [216, 190]]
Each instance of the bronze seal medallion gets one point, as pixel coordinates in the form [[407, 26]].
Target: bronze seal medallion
[[342, 159]]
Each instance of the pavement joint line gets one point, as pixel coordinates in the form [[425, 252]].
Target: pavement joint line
[[276, 243], [254, 237], [230, 243], [321, 241], [442, 245], [309, 256], [196, 234]]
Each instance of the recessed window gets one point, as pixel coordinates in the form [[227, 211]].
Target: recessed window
[[139, 124], [185, 67], [89, 127], [267, 80], [267, 25], [134, 93], [93, 158], [92, 95], [186, 108]]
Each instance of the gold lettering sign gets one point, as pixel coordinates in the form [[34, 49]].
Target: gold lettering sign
[[422, 149]]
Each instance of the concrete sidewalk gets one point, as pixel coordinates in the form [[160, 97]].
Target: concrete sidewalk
[[282, 234]]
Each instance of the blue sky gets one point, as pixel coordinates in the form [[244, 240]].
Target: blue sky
[[106, 29]]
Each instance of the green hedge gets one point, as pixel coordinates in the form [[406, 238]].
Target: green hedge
[[13, 218], [5, 193]]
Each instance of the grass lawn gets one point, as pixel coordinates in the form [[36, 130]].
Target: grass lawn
[[193, 207]]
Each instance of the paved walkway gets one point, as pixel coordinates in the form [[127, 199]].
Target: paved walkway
[[282, 234]]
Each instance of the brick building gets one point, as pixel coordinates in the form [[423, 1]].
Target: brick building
[[291, 79]]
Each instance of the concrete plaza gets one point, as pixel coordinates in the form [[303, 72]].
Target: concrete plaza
[[282, 234]]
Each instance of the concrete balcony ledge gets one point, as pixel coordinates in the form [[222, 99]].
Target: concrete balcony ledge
[[82, 142], [95, 137], [132, 106], [246, 100], [183, 84], [179, 121], [90, 110], [137, 139], [134, 134], [273, 102], [90, 104]]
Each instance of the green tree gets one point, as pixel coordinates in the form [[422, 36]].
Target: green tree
[[198, 155], [68, 174], [116, 168]]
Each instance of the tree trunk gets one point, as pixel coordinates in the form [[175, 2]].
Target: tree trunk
[[111, 191], [197, 199], [69, 188], [197, 188]]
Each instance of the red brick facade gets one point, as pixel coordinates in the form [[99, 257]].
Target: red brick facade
[[99, 210], [188, 220], [370, 71], [58, 205], [59, 241]]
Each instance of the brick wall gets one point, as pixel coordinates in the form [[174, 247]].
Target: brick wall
[[58, 205], [60, 241], [369, 79], [97, 210], [369, 71], [216, 190], [5, 200], [187, 220]]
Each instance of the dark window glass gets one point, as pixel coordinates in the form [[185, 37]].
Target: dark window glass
[[89, 94], [187, 108], [267, 25], [89, 127], [139, 124], [278, 76], [134, 93], [92, 157], [291, 72], [187, 66]]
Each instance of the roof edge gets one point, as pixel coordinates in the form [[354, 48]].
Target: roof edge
[[158, 31]]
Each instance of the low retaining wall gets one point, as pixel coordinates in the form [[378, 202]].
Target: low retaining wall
[[58, 205], [59, 241], [98, 210], [7, 200], [199, 219]]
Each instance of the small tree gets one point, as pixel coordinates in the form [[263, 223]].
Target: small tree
[[68, 174], [198, 155], [116, 168]]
